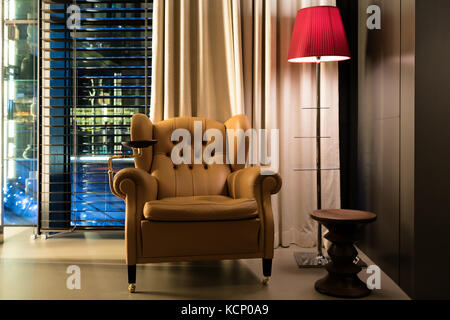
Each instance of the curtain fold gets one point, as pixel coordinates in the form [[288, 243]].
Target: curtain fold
[[219, 58]]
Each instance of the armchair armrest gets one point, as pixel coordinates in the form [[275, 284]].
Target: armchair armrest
[[136, 187], [138, 145], [250, 183], [247, 183], [145, 184]]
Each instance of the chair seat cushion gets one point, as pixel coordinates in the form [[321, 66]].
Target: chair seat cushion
[[200, 208]]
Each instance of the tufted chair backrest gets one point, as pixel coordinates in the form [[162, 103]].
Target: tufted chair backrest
[[184, 180]]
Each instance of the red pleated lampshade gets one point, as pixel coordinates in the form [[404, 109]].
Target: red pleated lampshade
[[319, 32]]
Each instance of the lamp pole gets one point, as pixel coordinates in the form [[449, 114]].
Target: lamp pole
[[316, 260], [321, 260]]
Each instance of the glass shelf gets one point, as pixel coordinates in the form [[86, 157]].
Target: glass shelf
[[19, 108]]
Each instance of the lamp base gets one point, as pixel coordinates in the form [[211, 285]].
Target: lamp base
[[314, 260], [310, 260]]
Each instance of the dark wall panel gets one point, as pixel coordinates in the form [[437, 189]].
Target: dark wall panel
[[407, 148], [432, 142], [379, 132]]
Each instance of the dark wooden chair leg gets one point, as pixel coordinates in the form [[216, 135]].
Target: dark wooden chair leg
[[132, 279], [267, 270], [267, 267]]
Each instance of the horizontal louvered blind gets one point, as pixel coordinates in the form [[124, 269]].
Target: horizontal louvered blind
[[94, 78]]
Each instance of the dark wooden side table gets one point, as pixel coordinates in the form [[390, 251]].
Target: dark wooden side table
[[343, 225]]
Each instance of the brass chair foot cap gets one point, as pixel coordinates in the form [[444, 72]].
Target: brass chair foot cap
[[265, 280], [132, 288]]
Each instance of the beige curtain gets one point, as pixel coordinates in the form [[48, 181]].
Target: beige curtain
[[218, 58], [194, 68]]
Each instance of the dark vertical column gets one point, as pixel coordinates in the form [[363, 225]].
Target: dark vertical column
[[348, 107], [55, 201]]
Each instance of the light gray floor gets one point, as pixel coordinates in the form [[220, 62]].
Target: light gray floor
[[36, 269]]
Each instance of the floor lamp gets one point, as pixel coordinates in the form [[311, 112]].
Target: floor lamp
[[318, 37]]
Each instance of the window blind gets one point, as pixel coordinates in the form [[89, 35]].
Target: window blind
[[94, 78]]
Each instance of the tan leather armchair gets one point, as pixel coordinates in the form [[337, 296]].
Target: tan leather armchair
[[193, 212]]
